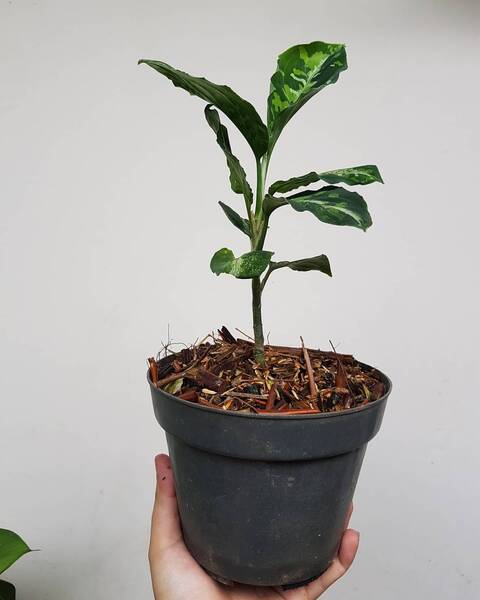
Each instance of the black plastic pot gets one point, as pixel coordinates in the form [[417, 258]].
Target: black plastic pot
[[263, 498]]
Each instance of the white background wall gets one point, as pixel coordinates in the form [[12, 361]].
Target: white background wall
[[109, 184]]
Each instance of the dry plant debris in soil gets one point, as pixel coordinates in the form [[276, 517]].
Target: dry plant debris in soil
[[220, 372]]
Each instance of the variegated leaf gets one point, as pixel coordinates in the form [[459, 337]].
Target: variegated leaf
[[333, 205], [238, 177], [302, 71], [362, 175], [236, 219], [246, 266], [238, 110]]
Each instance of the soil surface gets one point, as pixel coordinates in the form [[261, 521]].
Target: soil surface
[[220, 372]]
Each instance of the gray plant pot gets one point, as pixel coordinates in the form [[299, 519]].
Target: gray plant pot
[[263, 498]]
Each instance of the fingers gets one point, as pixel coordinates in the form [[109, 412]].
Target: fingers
[[163, 471], [340, 565], [348, 548], [165, 521]]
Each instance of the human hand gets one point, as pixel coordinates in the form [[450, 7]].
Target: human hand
[[177, 576]]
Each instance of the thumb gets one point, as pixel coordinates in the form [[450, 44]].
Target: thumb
[[340, 565], [165, 520]]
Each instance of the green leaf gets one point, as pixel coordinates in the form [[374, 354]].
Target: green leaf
[[362, 175], [238, 110], [236, 219], [302, 71], [251, 264], [12, 547], [238, 178], [333, 205], [314, 263], [7, 591]]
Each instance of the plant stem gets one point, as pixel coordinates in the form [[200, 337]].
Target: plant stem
[[262, 166], [259, 350], [258, 239], [273, 267]]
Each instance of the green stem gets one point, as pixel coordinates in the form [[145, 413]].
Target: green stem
[[273, 267], [251, 219], [258, 239], [262, 167], [262, 233], [259, 350]]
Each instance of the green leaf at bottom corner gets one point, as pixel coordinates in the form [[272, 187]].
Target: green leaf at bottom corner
[[12, 547], [7, 590], [249, 265]]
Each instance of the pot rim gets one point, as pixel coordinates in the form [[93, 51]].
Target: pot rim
[[290, 417]]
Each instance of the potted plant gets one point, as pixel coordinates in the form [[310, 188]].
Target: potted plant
[[267, 442], [12, 547]]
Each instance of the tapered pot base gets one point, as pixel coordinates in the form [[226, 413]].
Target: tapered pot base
[[290, 586]]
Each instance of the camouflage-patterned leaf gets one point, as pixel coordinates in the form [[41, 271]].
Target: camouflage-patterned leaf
[[238, 178], [238, 110], [314, 263], [7, 591], [362, 175], [12, 547], [333, 205], [236, 219], [302, 71], [251, 264]]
